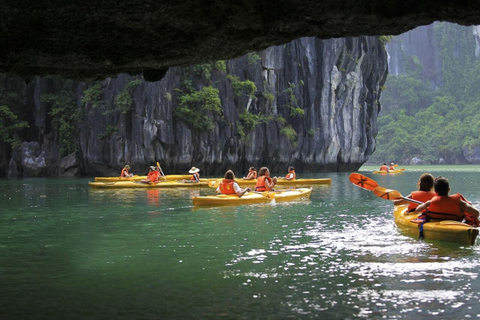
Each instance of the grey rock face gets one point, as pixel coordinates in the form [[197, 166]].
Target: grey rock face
[[316, 101]]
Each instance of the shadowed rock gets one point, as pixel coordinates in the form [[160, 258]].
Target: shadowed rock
[[88, 40]]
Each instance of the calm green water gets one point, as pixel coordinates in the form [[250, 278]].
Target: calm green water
[[68, 252]]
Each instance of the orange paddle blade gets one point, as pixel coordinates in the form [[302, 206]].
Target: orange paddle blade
[[362, 181], [387, 194]]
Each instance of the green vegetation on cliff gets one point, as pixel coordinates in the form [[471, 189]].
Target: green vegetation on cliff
[[433, 123]]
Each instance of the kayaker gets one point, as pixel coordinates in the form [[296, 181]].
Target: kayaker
[[153, 176], [264, 182], [252, 174], [229, 186], [425, 192], [125, 173], [445, 207], [195, 175], [291, 174], [384, 167], [392, 167]]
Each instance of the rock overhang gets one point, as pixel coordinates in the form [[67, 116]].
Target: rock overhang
[[91, 40]]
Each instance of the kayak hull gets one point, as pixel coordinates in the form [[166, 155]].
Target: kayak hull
[[169, 177], [280, 182], [446, 230], [252, 197], [140, 185], [389, 172]]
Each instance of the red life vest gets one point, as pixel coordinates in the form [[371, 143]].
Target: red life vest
[[445, 208], [422, 196], [383, 168], [153, 176], [391, 168], [294, 175], [261, 185], [195, 177], [226, 186], [124, 173], [252, 175]]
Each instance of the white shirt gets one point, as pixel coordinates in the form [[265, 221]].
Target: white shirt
[[236, 187]]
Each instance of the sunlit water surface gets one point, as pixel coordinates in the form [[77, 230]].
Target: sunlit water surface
[[69, 252]]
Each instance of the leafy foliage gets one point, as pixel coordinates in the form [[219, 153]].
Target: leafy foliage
[[291, 134], [124, 99], [242, 87], [196, 108], [418, 120], [65, 116], [9, 126]]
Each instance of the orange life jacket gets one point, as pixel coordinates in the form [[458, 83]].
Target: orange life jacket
[[226, 186], [124, 173], [445, 208], [195, 177], [153, 176], [383, 168], [422, 196], [391, 168], [261, 185], [252, 175], [294, 175]]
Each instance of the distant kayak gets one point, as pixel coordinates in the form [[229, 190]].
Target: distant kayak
[[281, 182], [253, 197], [133, 184], [389, 172], [169, 177], [446, 230]]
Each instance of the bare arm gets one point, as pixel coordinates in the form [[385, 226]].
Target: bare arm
[[422, 207], [466, 207]]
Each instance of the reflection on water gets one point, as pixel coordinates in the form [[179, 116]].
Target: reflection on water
[[146, 253]]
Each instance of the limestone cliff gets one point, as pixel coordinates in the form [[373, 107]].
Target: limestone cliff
[[310, 103]]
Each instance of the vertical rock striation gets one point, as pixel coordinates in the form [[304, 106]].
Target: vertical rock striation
[[314, 105]]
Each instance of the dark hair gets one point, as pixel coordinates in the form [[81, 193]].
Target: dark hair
[[252, 169], [262, 171], [229, 175], [442, 186], [290, 169], [425, 182]]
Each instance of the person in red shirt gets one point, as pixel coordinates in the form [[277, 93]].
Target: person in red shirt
[[445, 207], [125, 173], [384, 167], [425, 192], [153, 176]]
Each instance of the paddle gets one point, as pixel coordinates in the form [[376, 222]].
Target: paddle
[[160, 168], [390, 194], [362, 181]]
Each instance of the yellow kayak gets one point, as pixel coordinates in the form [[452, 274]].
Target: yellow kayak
[[168, 177], [133, 184], [280, 182], [389, 172], [446, 230], [252, 197]]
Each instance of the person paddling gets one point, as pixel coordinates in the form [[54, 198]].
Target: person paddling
[[229, 186], [291, 174], [264, 182], [425, 192], [195, 175], [392, 167], [153, 176], [445, 207], [252, 174], [125, 173], [384, 167]]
